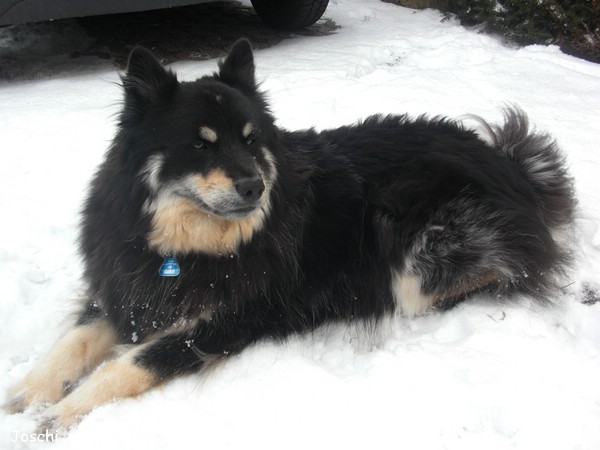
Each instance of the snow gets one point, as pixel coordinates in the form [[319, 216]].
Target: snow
[[483, 375]]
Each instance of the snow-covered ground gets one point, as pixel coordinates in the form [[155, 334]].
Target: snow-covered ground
[[482, 376]]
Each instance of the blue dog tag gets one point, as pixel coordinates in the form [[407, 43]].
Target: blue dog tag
[[169, 268]]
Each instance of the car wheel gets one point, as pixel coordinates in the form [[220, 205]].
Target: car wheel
[[289, 14]]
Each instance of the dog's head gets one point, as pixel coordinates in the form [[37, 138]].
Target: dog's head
[[203, 149]]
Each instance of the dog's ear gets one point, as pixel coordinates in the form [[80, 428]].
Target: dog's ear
[[146, 81], [237, 69]]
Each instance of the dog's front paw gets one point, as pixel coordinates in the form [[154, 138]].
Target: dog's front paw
[[71, 410], [14, 403], [57, 420], [34, 389]]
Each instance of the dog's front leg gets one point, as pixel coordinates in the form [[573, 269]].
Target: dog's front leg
[[78, 352], [142, 368], [117, 379]]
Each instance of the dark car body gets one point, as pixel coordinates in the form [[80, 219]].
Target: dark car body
[[284, 14]]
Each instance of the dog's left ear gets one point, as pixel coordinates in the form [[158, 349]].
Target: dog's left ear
[[146, 82], [237, 69]]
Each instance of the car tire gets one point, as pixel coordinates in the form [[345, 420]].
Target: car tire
[[289, 14]]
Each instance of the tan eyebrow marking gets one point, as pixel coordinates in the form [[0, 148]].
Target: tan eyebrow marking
[[208, 134], [248, 128]]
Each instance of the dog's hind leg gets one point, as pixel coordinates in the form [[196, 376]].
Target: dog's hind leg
[[78, 352], [464, 248]]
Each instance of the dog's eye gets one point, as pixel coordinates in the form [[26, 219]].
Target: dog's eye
[[200, 145], [250, 139]]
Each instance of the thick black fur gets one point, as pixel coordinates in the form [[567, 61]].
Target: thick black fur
[[350, 207]]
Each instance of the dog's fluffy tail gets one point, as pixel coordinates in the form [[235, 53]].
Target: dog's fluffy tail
[[542, 163]]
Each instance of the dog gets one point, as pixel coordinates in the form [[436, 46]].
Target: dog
[[207, 228]]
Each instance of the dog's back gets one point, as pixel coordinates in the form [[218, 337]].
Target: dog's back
[[450, 214]]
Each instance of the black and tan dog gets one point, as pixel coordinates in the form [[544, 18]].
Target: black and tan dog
[[208, 228]]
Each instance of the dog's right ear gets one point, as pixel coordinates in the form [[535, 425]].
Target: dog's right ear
[[146, 81]]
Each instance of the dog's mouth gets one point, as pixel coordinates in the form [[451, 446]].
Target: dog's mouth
[[227, 208], [237, 213]]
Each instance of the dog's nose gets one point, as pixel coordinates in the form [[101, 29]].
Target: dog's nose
[[250, 189]]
